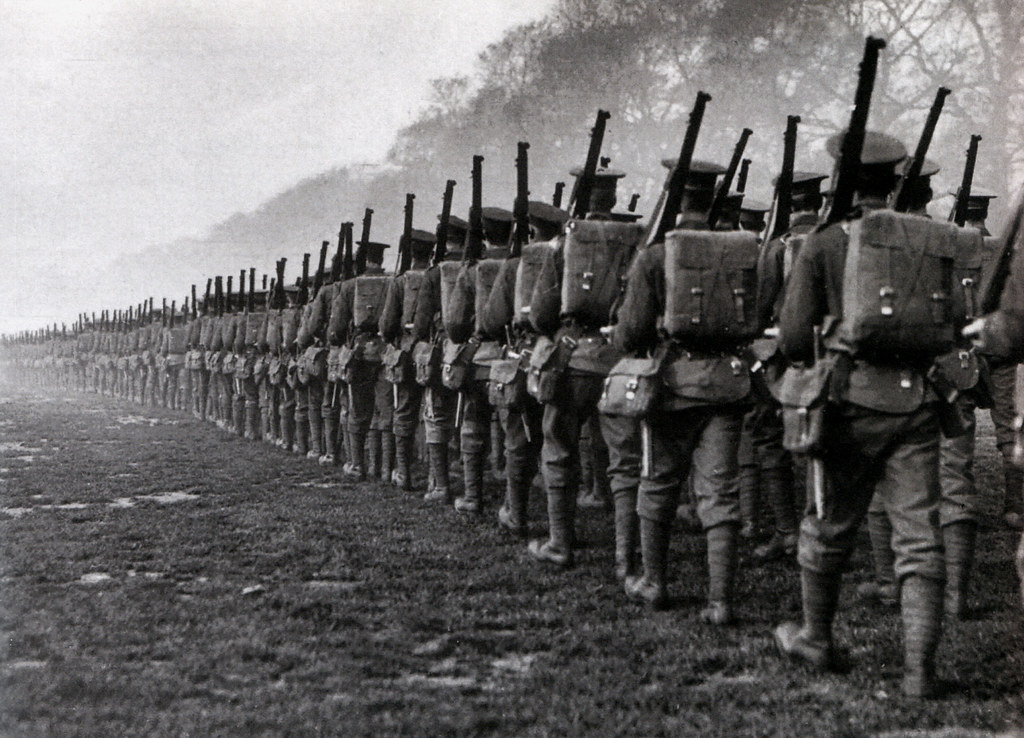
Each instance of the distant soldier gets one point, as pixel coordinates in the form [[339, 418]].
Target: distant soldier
[[397, 327], [313, 352], [694, 430], [881, 423]]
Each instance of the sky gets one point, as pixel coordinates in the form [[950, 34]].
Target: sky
[[128, 124]]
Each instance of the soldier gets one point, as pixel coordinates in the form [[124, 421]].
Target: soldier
[[172, 350], [567, 307], [476, 351], [313, 352], [355, 317], [882, 423], [397, 327], [520, 414], [294, 434], [694, 431], [772, 465]]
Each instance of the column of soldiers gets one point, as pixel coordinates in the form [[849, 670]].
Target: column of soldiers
[[710, 361]]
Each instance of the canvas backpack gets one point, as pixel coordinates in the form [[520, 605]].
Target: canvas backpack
[[898, 286], [596, 258], [527, 271], [413, 283], [449, 271], [368, 301], [486, 274]]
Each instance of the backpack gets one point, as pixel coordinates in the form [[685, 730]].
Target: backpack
[[530, 262], [898, 286], [486, 274], [596, 255], [969, 261], [711, 285], [412, 283], [253, 322], [368, 301], [449, 273]]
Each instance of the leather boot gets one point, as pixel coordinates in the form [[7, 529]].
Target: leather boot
[[472, 499], [387, 456], [265, 433], [883, 587], [316, 433], [437, 459], [652, 587], [401, 477], [330, 426], [721, 573], [354, 467], [1013, 504], [627, 534], [958, 540], [749, 481], [497, 451], [921, 608], [777, 483], [512, 515], [557, 549], [812, 641], [373, 454], [301, 434], [287, 430]]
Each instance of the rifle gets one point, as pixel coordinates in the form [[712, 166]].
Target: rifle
[[318, 280], [252, 289], [633, 200], [304, 285], [475, 235], [195, 307], [363, 240], [442, 225], [280, 298], [163, 313], [337, 263], [264, 287], [170, 318], [784, 184], [521, 206], [218, 297], [723, 187], [848, 165], [579, 201], [206, 296], [405, 247], [995, 282], [556, 199], [242, 302], [348, 268], [963, 194], [672, 192], [901, 196], [227, 297], [741, 179]]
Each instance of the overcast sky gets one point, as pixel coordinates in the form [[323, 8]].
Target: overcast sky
[[126, 124]]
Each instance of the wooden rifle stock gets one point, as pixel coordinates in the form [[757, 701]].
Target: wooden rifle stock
[[848, 169], [363, 240], [441, 246], [963, 194], [901, 197], [252, 289], [718, 204], [337, 264], [280, 297], [521, 206], [304, 285], [218, 295], [228, 295], [671, 199], [348, 264], [475, 236], [995, 282], [556, 199], [405, 249], [579, 201], [741, 178], [195, 307], [784, 184], [318, 279], [242, 303]]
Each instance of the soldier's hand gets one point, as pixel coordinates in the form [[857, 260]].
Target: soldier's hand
[[973, 331]]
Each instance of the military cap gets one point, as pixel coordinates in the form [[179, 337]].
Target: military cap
[[753, 215], [702, 174], [497, 224], [417, 235], [374, 251], [546, 219], [605, 182], [928, 167], [421, 243], [805, 183], [600, 174], [978, 202], [457, 228], [879, 149]]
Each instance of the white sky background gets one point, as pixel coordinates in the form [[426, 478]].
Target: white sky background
[[126, 124]]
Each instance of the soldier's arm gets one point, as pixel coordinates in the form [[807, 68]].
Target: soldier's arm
[[500, 305], [391, 315], [806, 302], [546, 303], [427, 305], [769, 282], [459, 324], [637, 326], [1002, 332], [341, 314]]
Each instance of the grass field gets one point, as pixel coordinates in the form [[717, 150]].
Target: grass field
[[161, 577]]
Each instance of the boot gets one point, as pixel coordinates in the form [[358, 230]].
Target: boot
[[627, 534], [287, 437], [777, 483], [721, 573], [958, 540], [354, 466], [471, 500], [512, 515], [437, 459], [301, 434], [557, 549], [330, 426], [238, 417], [921, 608], [652, 587], [497, 450], [265, 420], [252, 421], [387, 456], [373, 454], [316, 434], [1013, 504], [812, 641], [401, 477], [883, 587], [749, 481]]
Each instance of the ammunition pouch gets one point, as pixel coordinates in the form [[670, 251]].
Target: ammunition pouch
[[507, 385], [277, 369], [632, 386], [548, 364], [312, 364], [292, 373], [244, 365], [426, 358], [397, 361], [229, 363], [259, 367], [457, 363], [697, 379]]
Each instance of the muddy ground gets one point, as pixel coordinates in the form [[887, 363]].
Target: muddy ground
[[159, 576]]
